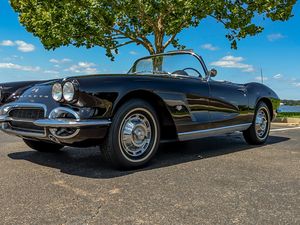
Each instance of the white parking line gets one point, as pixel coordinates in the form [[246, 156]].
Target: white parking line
[[284, 129]]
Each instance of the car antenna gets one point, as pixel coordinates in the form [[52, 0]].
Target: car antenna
[[261, 75]]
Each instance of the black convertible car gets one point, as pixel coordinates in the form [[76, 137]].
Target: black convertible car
[[164, 97]]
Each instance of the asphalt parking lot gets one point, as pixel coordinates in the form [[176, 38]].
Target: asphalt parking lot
[[219, 180]]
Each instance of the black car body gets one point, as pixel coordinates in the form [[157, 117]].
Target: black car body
[[186, 107], [10, 91]]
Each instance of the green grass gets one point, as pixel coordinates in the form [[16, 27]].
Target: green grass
[[289, 114]]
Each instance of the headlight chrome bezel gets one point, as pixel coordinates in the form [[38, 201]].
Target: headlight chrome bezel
[[69, 91], [58, 88]]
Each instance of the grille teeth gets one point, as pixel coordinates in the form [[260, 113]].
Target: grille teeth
[[24, 119], [30, 114]]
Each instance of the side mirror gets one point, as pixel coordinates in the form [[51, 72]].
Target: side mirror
[[213, 73]]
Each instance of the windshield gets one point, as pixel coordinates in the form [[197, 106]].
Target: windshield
[[182, 64]]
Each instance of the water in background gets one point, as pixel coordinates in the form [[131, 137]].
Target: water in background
[[288, 108]]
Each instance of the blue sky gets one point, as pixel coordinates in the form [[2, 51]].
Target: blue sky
[[276, 51]]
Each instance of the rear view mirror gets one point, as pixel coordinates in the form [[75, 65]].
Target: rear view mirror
[[213, 73]]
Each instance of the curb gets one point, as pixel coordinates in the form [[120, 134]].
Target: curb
[[287, 120]]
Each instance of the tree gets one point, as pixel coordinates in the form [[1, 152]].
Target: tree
[[153, 24]]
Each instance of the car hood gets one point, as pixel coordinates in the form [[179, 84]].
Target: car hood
[[37, 94], [10, 91]]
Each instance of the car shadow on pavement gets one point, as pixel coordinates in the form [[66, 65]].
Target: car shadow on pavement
[[89, 163]]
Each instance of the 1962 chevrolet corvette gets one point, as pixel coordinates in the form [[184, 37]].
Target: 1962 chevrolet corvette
[[170, 96]]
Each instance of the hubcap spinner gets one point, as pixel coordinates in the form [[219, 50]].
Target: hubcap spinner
[[136, 135]]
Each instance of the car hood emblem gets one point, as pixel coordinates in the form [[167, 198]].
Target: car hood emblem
[[35, 90]]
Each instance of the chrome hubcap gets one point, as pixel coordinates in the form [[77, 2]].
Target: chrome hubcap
[[261, 123], [136, 135]]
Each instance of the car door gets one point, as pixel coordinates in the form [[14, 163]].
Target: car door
[[197, 97], [195, 92], [228, 104]]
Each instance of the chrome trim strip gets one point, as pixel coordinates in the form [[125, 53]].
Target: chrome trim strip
[[4, 118], [63, 109], [57, 112], [184, 136], [70, 123], [23, 133]]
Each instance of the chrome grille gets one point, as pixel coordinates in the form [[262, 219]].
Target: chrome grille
[[23, 118], [27, 114]]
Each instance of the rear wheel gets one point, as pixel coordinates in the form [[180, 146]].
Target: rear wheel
[[259, 131], [43, 146], [133, 137]]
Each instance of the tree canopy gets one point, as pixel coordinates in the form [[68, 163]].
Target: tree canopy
[[153, 24]]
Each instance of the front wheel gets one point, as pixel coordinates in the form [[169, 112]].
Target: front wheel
[[133, 137], [43, 146], [259, 131]]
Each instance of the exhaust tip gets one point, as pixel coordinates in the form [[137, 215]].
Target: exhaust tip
[[53, 139]]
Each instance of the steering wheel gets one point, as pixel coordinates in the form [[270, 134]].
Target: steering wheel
[[190, 68]]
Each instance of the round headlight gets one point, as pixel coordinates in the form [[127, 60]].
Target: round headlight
[[69, 91], [57, 92]]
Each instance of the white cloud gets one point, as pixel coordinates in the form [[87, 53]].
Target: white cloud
[[13, 58], [209, 47], [24, 47], [275, 37], [133, 53], [248, 70], [233, 62], [21, 45], [19, 67], [90, 70], [60, 61], [7, 43], [259, 78], [83, 67], [85, 64], [51, 71], [297, 84], [277, 76], [53, 60]]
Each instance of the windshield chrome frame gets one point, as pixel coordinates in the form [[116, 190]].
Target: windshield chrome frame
[[179, 52]]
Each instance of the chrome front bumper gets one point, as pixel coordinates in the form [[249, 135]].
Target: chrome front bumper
[[70, 123], [58, 123], [50, 122]]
